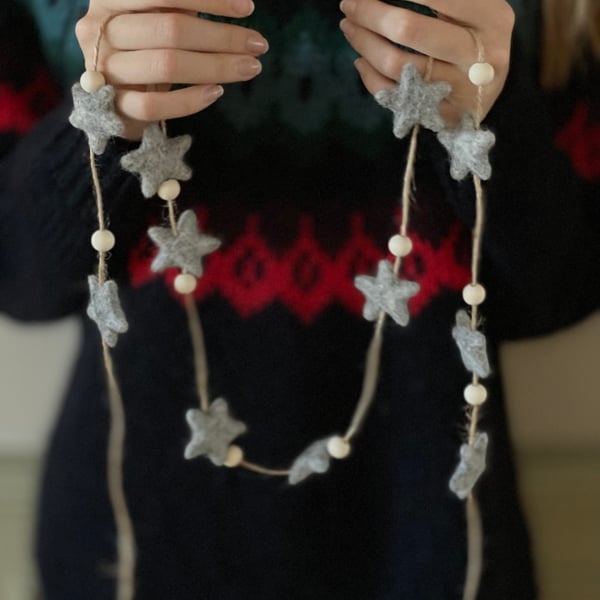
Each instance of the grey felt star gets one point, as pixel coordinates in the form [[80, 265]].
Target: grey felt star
[[386, 292], [414, 101], [158, 159], [315, 459], [212, 432], [472, 345], [469, 149], [94, 113], [184, 250], [105, 309], [471, 466]]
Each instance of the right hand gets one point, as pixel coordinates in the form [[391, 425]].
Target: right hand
[[145, 49]]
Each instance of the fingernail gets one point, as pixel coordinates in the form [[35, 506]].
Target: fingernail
[[248, 67], [346, 26], [257, 45], [347, 6], [242, 7], [213, 92]]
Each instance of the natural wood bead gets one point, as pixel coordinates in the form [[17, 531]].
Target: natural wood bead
[[400, 245], [235, 456], [185, 283], [103, 240], [169, 190], [474, 294], [92, 81], [338, 447], [475, 394], [481, 73]]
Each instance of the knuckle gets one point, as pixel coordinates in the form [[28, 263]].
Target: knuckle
[[144, 108], [168, 30], [391, 65], [164, 65], [407, 31]]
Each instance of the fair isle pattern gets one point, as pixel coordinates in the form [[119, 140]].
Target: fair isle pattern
[[305, 278]]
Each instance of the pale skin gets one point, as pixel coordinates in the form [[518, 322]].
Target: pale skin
[[149, 45]]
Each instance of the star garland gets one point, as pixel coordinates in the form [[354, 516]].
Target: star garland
[[159, 164]]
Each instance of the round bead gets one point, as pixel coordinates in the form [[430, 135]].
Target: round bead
[[235, 456], [185, 283], [103, 240], [169, 190], [474, 294], [400, 245], [475, 394], [481, 73], [92, 81], [338, 447]]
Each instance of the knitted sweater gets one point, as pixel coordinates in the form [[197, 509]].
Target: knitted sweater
[[299, 175]]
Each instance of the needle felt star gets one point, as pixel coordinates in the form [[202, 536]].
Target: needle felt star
[[94, 113], [386, 292], [469, 149], [472, 345], [212, 432], [105, 309], [315, 459], [414, 101], [158, 159], [471, 466], [184, 250]]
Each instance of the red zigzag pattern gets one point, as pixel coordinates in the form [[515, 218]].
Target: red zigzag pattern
[[251, 276]]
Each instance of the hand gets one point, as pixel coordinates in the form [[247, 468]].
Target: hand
[[371, 26], [143, 52]]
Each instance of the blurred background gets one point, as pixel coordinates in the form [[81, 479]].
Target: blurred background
[[553, 392]]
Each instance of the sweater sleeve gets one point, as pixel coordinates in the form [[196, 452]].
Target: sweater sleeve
[[541, 248]]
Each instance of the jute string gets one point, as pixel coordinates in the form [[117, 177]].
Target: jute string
[[473, 515]]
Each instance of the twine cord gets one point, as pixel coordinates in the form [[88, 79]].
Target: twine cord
[[473, 516], [126, 550]]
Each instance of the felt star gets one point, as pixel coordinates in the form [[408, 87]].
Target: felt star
[[184, 250], [105, 309], [414, 101], [386, 292], [472, 345], [94, 113], [212, 432], [158, 159], [315, 459], [469, 149], [471, 466]]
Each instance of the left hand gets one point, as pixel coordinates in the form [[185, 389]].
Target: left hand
[[373, 29]]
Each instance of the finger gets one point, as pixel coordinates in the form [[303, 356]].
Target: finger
[[178, 30], [388, 59], [474, 14], [150, 67], [223, 8], [430, 36], [156, 106]]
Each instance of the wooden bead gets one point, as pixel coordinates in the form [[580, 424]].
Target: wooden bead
[[481, 73], [474, 294], [103, 240], [185, 283], [475, 394], [235, 456], [338, 447], [400, 245], [169, 190], [92, 81]]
